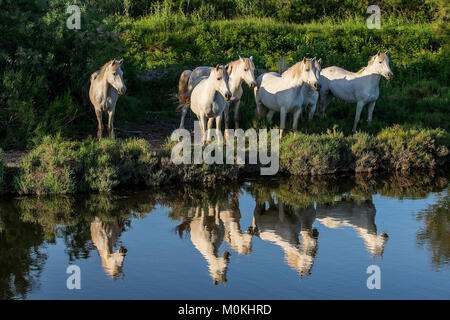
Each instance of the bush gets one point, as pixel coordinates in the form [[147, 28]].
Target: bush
[[395, 148], [409, 148], [59, 166], [366, 152], [314, 154]]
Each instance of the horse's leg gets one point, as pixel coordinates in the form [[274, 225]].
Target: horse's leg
[[370, 110], [312, 110], [183, 115], [98, 113], [111, 124], [359, 107], [226, 115], [270, 115], [203, 126], [297, 114], [208, 133], [282, 120], [236, 114], [259, 105], [218, 123], [324, 100]]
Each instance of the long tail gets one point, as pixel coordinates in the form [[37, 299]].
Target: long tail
[[183, 92]]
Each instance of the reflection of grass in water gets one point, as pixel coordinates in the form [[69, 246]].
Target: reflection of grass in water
[[434, 235], [303, 192]]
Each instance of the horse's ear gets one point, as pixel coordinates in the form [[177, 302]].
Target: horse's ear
[[229, 68], [378, 53], [217, 67], [304, 59], [251, 58], [314, 59], [386, 52], [320, 61], [120, 62]]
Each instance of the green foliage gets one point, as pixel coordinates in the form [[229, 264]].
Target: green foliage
[[2, 170], [405, 149], [394, 148], [60, 166], [45, 67], [314, 154]]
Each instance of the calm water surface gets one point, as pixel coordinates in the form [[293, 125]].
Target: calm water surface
[[293, 238]]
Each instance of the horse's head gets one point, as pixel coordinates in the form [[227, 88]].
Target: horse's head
[[379, 63], [219, 77], [318, 65], [245, 68], [310, 74], [114, 75]]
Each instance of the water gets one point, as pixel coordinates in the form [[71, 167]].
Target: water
[[291, 238]]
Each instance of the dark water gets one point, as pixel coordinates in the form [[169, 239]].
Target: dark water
[[293, 238]]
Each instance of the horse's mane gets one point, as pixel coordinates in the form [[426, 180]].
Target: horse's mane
[[296, 69], [103, 69], [247, 63], [368, 64]]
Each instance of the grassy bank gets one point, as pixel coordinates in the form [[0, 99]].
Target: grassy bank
[[45, 67], [62, 166]]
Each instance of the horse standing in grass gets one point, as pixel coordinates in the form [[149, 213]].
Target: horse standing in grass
[[209, 98], [106, 86], [241, 70], [361, 87], [282, 93]]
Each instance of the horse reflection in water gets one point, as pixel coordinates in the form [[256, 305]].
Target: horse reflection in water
[[104, 236], [357, 214], [209, 226], [282, 226]]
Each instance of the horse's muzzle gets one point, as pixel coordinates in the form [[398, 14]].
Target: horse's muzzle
[[122, 90], [317, 86], [227, 96], [253, 85], [389, 76]]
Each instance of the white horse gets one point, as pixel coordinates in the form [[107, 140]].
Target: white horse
[[311, 96], [282, 93], [106, 86], [360, 87], [241, 70], [208, 98]]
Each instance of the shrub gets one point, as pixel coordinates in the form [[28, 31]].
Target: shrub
[[366, 152], [409, 148], [302, 154], [59, 166]]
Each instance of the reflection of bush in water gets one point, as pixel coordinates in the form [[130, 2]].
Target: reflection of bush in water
[[435, 233], [303, 192], [188, 197], [20, 256]]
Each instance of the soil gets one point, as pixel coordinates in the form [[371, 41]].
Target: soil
[[156, 133]]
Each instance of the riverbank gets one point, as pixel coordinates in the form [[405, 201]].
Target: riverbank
[[60, 166]]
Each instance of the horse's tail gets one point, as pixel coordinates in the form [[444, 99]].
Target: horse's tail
[[282, 65], [183, 90]]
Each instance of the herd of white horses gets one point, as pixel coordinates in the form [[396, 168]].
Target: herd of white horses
[[209, 91]]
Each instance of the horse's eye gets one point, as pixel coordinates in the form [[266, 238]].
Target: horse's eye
[[381, 61], [114, 74], [219, 79], [245, 70], [307, 69]]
